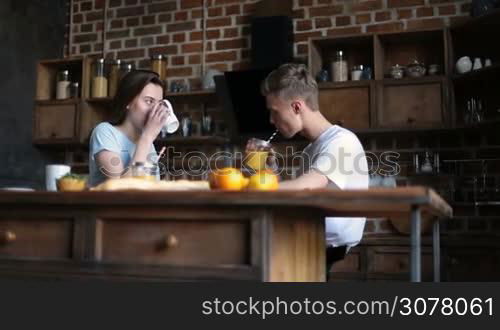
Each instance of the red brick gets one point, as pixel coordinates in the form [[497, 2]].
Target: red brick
[[196, 13], [178, 60], [405, 13], [386, 27], [303, 25], [458, 20], [88, 37], [440, 1], [324, 2], [305, 3], [241, 66], [325, 11], [131, 43], [136, 53], [342, 20], [194, 59], [166, 50], [213, 34], [187, 4], [370, 5], [218, 22], [302, 49], [230, 33], [225, 2], [176, 27], [363, 18], [165, 18], [233, 10], [298, 13], [165, 39], [382, 16], [99, 26], [447, 10], [148, 31], [404, 3], [149, 20], [425, 11], [298, 37], [94, 16], [115, 3], [86, 6], [116, 24], [85, 49], [214, 12], [243, 20], [344, 31], [162, 7], [231, 44], [180, 72], [322, 23], [75, 8], [148, 41], [417, 24], [179, 37], [86, 27], [192, 47], [130, 2], [78, 18], [248, 8], [131, 22], [131, 11], [196, 36], [181, 16], [220, 66], [221, 57], [99, 4]]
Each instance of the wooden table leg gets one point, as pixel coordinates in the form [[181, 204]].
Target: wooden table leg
[[436, 249], [415, 253]]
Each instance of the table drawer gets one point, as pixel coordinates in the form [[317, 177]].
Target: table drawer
[[36, 239], [175, 242]]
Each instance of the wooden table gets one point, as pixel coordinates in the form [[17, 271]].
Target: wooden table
[[202, 235]]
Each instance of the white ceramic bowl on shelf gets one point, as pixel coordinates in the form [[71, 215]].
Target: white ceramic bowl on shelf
[[464, 64]]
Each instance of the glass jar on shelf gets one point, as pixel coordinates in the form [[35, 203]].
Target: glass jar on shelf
[[114, 77], [159, 65], [339, 67], [99, 80], [62, 88]]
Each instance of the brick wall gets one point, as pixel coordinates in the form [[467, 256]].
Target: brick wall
[[136, 29]]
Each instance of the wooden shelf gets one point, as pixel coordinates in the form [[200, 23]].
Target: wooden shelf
[[476, 74], [198, 93], [413, 81], [193, 140], [100, 100], [344, 84], [58, 102]]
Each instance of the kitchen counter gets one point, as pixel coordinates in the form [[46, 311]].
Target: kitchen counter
[[194, 235]]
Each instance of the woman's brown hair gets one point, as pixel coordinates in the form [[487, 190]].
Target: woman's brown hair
[[130, 86]]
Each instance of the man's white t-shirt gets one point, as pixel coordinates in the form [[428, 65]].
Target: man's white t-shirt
[[338, 154]]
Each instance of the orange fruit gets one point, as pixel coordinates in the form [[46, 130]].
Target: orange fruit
[[70, 184], [263, 180], [227, 178]]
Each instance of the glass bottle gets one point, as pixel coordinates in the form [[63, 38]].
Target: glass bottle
[[114, 77], [159, 65], [126, 68], [62, 90], [339, 67], [99, 81]]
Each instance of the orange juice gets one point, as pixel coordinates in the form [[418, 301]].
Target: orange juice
[[256, 160]]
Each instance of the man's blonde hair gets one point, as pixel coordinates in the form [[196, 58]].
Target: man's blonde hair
[[290, 81]]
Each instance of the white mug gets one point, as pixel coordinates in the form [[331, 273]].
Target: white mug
[[53, 173], [171, 123], [477, 64]]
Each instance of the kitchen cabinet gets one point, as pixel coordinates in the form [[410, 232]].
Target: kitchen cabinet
[[384, 102]]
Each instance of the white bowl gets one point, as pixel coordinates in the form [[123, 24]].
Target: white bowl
[[464, 64]]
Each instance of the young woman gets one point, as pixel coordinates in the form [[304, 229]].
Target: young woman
[[138, 119]]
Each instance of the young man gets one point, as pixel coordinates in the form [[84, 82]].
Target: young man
[[334, 157]]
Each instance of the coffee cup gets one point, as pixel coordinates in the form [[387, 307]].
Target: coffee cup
[[53, 173], [171, 123]]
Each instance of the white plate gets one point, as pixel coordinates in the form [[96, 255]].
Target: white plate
[[17, 189]]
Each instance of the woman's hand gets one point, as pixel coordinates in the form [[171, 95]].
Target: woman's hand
[[155, 121]]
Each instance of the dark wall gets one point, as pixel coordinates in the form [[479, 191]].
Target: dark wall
[[29, 30]]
